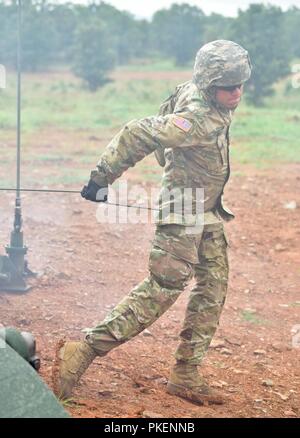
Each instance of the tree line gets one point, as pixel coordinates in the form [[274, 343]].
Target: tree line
[[93, 39]]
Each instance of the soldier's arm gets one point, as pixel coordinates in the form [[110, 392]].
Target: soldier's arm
[[140, 138]]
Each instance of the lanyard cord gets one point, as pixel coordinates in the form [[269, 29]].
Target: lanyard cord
[[75, 192]]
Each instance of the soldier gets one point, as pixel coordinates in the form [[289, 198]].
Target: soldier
[[190, 138]]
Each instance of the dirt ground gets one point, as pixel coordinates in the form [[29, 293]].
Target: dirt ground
[[88, 267]]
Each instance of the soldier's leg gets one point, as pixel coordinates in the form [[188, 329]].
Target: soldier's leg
[[202, 316], [206, 300], [171, 262], [170, 267]]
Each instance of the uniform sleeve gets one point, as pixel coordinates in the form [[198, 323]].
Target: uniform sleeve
[[140, 138]]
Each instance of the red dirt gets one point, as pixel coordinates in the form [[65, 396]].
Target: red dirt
[[89, 267]]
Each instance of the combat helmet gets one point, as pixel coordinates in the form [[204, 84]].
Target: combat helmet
[[221, 63]]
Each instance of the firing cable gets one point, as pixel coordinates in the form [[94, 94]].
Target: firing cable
[[75, 192]]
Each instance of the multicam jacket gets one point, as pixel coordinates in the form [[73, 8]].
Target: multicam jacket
[[192, 131]]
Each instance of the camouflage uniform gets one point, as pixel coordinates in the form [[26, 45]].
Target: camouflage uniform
[[196, 156], [190, 137]]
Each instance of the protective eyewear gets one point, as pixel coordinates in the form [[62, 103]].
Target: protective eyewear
[[231, 88]]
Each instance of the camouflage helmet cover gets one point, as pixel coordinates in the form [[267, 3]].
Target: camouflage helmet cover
[[221, 63]]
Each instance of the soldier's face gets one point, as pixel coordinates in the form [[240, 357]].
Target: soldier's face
[[229, 97]]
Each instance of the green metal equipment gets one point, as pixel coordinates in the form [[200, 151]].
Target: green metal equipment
[[23, 343], [23, 393]]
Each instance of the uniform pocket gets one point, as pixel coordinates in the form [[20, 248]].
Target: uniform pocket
[[175, 240], [214, 244]]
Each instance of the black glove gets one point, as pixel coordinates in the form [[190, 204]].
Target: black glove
[[94, 192]]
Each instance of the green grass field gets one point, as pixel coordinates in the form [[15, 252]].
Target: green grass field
[[55, 104]]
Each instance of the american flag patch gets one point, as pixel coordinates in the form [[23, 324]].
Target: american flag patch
[[182, 123]]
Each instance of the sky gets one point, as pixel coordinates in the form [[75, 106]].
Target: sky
[[145, 9]]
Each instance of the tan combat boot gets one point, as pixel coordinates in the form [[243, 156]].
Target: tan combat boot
[[71, 361], [186, 382]]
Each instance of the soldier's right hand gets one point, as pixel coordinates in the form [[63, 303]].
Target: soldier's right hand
[[95, 193]]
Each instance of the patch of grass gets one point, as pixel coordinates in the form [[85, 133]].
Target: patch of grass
[[67, 403], [238, 173], [65, 178], [7, 182], [219, 364], [154, 64], [252, 318], [56, 102], [50, 158], [264, 136], [74, 108], [295, 304]]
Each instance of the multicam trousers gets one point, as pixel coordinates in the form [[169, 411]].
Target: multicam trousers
[[175, 258]]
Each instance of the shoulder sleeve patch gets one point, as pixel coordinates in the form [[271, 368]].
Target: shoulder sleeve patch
[[182, 124]]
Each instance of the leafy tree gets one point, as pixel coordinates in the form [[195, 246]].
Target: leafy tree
[[123, 27], [66, 18], [291, 30], [141, 34], [38, 36], [8, 37], [178, 31], [76, 35], [217, 27], [93, 56], [260, 30]]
